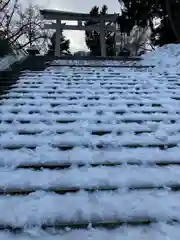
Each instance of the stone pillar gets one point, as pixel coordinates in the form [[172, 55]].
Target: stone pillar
[[58, 38], [102, 38]]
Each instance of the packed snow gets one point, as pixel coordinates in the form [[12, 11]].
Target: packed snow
[[48, 209], [166, 57], [158, 231], [120, 177], [94, 62], [114, 130], [46, 155]]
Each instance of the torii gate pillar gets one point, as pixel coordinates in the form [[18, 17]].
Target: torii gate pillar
[[58, 38], [102, 38]]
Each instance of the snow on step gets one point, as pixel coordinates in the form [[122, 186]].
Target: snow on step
[[72, 140], [89, 178], [156, 231], [46, 155], [39, 128], [91, 116], [87, 116], [49, 209]]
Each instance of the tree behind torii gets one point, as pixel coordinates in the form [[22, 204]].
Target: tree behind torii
[[64, 45], [92, 37]]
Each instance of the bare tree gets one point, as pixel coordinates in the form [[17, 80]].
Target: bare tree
[[7, 12], [4, 4], [22, 27]]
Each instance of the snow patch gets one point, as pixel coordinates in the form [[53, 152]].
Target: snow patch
[[159, 231], [166, 57]]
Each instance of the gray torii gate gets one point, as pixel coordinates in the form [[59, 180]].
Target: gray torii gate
[[60, 16]]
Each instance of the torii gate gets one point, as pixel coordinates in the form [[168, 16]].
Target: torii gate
[[58, 16]]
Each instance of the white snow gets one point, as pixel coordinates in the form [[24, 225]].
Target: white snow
[[86, 139], [158, 231], [166, 58], [79, 155], [42, 208], [87, 177], [93, 116], [91, 62]]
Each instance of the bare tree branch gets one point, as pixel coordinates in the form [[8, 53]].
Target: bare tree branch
[[11, 14], [27, 43], [4, 4], [22, 25]]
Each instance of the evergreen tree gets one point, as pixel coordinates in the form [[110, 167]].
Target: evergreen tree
[[64, 45], [143, 13], [92, 38]]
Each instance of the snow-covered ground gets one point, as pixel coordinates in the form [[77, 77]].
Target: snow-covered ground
[[69, 131], [158, 231], [165, 58], [94, 62]]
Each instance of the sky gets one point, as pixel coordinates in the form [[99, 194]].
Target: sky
[[77, 37]]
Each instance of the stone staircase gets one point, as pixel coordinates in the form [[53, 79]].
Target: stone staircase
[[91, 152]]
